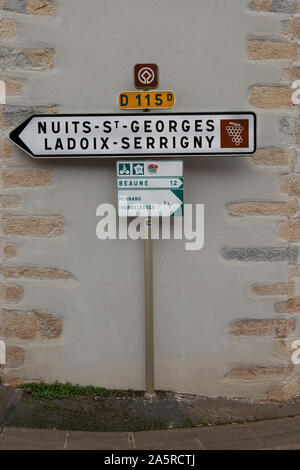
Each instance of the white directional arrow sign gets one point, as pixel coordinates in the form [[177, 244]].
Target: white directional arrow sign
[[145, 203], [110, 135]]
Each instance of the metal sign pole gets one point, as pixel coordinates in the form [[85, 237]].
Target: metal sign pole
[[149, 318], [149, 324]]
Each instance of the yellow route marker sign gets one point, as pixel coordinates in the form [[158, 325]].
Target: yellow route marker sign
[[146, 99]]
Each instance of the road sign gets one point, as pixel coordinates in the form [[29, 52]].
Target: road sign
[[146, 76], [132, 203], [155, 169], [150, 183], [150, 188], [160, 134], [146, 99]]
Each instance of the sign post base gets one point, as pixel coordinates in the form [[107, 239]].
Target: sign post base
[[150, 398]]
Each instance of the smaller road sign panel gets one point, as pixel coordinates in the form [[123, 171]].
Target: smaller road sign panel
[[155, 169], [150, 188], [146, 99], [146, 76], [150, 183], [143, 203]]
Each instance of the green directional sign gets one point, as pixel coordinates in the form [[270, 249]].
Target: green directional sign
[[144, 203], [150, 188]]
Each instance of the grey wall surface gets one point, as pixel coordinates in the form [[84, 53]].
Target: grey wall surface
[[199, 46]]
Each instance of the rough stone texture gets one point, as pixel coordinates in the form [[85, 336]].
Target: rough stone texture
[[274, 290], [280, 328], [5, 149], [34, 273], [33, 225], [30, 325], [289, 390], [294, 271], [31, 7], [290, 231], [13, 86], [12, 116], [280, 307], [42, 59], [293, 28], [283, 348], [264, 5], [16, 6], [7, 202], [10, 293], [291, 73], [40, 7], [270, 98], [8, 251], [290, 185], [289, 130], [26, 59], [261, 49], [291, 306], [256, 373], [7, 29], [26, 177], [15, 357], [275, 6], [253, 208], [268, 255], [277, 97], [272, 156]]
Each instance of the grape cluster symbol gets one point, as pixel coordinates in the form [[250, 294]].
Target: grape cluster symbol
[[235, 130]]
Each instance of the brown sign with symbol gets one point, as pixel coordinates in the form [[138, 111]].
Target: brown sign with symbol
[[234, 133], [146, 75]]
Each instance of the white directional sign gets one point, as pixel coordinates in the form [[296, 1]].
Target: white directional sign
[[150, 188], [109, 135]]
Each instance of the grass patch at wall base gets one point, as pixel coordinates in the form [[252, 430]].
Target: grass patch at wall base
[[57, 390]]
